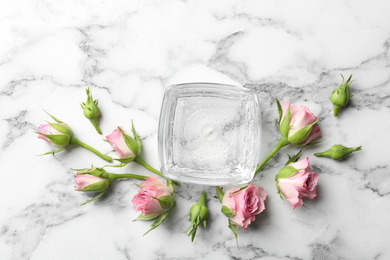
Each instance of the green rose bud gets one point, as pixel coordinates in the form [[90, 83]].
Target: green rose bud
[[338, 152], [198, 214], [340, 96], [91, 111]]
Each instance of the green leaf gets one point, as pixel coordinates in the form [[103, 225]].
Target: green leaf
[[285, 127], [227, 211], [94, 198], [146, 217]]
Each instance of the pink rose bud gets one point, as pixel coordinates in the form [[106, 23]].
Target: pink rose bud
[[93, 180], [294, 182], [298, 125], [242, 205], [154, 199], [126, 147], [57, 134]]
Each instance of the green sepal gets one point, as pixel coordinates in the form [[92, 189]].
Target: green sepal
[[287, 171], [55, 119], [166, 202], [220, 193], [63, 129], [284, 126], [116, 165], [94, 198], [59, 140], [233, 228], [146, 217], [240, 189], [301, 135], [97, 186], [280, 111], [131, 143], [294, 158], [278, 190], [125, 160], [52, 152], [159, 220], [98, 172], [170, 184], [227, 211], [136, 137]]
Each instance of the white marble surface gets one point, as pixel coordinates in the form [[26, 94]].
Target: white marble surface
[[128, 52]]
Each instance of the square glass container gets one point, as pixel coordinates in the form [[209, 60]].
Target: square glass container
[[209, 134]]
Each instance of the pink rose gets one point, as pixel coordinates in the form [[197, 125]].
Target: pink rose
[[245, 204], [300, 119], [147, 199], [57, 134], [125, 146], [87, 182], [294, 182]]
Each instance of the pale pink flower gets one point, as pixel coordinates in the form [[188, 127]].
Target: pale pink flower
[[301, 184], [300, 118], [119, 145], [245, 204], [145, 201]]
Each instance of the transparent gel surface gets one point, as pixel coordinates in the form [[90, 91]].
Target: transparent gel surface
[[209, 134]]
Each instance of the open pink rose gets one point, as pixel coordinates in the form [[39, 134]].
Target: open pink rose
[[87, 182], [245, 204], [117, 141], [299, 119], [300, 184], [145, 201]]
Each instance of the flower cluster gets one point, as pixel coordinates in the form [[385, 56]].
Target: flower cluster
[[155, 199]]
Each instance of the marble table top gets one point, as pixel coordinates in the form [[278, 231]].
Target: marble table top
[[128, 52]]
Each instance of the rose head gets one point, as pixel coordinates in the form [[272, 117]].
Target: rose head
[[294, 182], [94, 180], [125, 146], [298, 125], [154, 198], [244, 204], [57, 134]]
